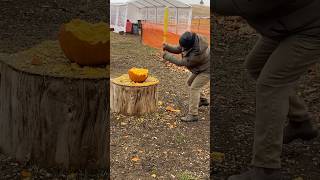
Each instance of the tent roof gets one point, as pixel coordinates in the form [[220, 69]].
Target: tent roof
[[158, 3]]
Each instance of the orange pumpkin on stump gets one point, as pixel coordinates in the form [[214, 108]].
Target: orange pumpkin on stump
[[85, 43], [138, 75]]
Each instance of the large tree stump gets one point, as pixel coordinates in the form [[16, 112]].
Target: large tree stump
[[131, 98], [52, 112]]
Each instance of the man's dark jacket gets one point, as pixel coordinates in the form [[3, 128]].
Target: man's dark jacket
[[274, 18], [196, 59]]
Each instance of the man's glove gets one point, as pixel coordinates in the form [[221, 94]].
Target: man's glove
[[164, 45]]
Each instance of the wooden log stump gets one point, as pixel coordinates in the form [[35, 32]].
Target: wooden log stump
[[129, 98], [52, 112]]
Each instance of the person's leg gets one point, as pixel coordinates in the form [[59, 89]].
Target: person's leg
[[259, 55], [298, 111], [275, 84], [300, 125], [272, 106], [190, 79], [298, 115], [199, 81], [254, 63], [203, 101]]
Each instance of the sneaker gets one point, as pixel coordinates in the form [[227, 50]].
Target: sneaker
[[190, 118]]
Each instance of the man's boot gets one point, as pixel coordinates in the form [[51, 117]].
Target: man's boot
[[257, 173], [190, 118], [299, 130], [203, 102]]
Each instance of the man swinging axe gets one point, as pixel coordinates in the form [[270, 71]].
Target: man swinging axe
[[288, 46], [195, 53]]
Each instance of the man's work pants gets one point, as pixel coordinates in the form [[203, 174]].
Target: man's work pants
[[196, 84], [277, 66]]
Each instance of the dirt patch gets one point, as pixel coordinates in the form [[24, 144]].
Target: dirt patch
[[234, 107], [157, 145]]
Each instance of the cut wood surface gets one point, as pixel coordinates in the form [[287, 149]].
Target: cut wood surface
[[131, 98], [53, 112]]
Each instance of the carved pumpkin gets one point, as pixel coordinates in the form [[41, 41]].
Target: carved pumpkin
[[85, 43], [138, 75]]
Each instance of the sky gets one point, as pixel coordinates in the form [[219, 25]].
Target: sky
[[206, 2]]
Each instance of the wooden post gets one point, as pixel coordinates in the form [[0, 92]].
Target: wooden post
[[51, 112]]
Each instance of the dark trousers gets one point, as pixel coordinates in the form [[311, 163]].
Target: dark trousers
[[277, 65]]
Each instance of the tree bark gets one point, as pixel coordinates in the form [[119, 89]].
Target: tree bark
[[133, 100], [53, 120]]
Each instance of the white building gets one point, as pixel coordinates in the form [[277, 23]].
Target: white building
[[150, 10]]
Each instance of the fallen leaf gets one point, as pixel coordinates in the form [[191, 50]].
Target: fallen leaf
[[154, 175], [160, 103], [171, 109], [25, 173], [135, 159], [172, 126], [217, 157]]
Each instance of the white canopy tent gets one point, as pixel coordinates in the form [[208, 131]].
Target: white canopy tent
[[149, 10]]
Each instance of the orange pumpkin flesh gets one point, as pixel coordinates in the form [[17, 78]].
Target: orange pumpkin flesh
[[138, 75], [84, 43]]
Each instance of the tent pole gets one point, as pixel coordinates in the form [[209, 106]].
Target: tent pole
[[117, 16], [156, 15], [126, 17], [190, 19], [177, 22]]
